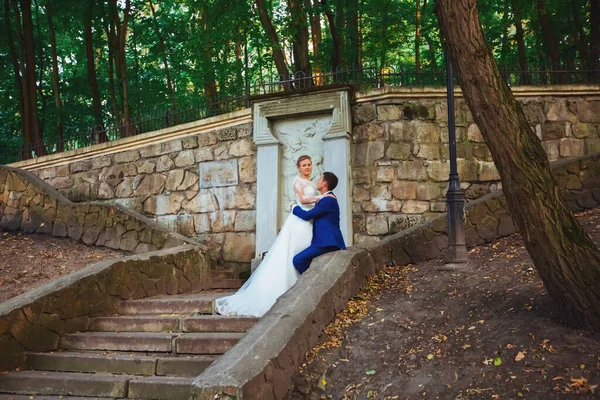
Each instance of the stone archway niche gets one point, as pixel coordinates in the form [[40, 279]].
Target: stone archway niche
[[269, 165]]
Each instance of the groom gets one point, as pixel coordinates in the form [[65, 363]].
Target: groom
[[326, 226]]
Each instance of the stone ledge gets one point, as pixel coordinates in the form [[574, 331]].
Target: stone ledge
[[262, 364], [29, 204], [133, 142], [35, 320]]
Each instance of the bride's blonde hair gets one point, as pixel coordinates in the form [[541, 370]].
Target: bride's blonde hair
[[302, 158]]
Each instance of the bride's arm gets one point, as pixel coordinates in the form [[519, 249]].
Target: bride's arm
[[299, 190]]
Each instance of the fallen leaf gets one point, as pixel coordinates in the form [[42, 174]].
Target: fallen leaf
[[370, 372], [520, 355]]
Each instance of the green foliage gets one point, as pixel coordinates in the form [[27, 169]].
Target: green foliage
[[223, 42]]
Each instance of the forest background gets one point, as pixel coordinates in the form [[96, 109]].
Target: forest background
[[76, 73]]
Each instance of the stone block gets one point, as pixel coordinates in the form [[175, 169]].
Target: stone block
[[399, 151], [185, 158], [61, 182], [171, 146], [428, 191], [534, 111], [245, 221], [487, 171], [552, 149], [151, 184], [79, 166], [437, 206], [242, 148], [385, 174], [403, 131], [404, 190], [427, 151], [239, 247], [467, 170], [428, 132], [63, 170], [164, 204], [218, 173], [101, 162], [145, 166], [164, 163], [389, 112], [364, 113], [438, 170], [245, 198], [129, 169], [570, 147], [207, 139], [125, 188], [377, 225], [559, 111], [126, 156], [592, 146], [247, 169], [474, 134], [583, 130], [174, 179], [418, 111], [365, 154], [481, 152], [189, 142], [369, 133], [553, 130], [399, 223], [413, 170], [222, 220], [415, 207], [202, 223], [204, 154], [360, 193], [225, 134], [203, 202], [47, 173], [588, 111]]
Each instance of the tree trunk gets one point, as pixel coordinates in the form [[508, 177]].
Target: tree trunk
[[210, 84], [520, 36], [16, 67], [548, 33], [580, 36], [60, 145], [118, 33], [42, 70], [432, 53], [564, 256], [161, 42], [278, 55], [594, 51], [336, 52], [29, 77], [314, 15], [353, 35], [504, 47], [99, 130], [418, 37], [300, 41]]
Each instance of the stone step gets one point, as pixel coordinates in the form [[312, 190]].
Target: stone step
[[226, 283], [196, 303], [120, 363], [206, 342], [159, 388], [217, 323], [120, 341], [221, 274], [89, 362], [37, 397], [64, 384], [145, 323]]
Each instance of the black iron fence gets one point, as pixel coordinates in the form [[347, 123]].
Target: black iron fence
[[363, 77]]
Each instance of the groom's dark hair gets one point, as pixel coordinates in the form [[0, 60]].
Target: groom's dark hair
[[331, 180]]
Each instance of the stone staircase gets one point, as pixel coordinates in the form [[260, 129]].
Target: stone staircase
[[153, 348]]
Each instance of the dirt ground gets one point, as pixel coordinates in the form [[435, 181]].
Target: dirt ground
[[30, 260], [488, 331]]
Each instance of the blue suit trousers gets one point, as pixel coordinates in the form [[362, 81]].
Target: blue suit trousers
[[303, 259]]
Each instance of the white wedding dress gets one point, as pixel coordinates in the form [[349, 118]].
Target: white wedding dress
[[276, 273]]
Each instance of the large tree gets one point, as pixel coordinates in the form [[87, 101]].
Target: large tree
[[564, 256]]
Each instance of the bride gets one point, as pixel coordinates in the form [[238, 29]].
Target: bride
[[276, 273]]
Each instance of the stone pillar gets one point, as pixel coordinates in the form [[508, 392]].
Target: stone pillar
[[267, 195], [336, 157]]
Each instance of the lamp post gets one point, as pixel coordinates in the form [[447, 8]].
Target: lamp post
[[457, 251]]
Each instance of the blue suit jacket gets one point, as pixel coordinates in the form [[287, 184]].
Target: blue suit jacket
[[326, 224]]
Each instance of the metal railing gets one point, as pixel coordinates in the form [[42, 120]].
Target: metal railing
[[360, 77]]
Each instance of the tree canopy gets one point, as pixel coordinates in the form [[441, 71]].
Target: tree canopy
[[73, 69]]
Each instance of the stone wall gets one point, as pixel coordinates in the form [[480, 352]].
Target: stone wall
[[29, 204], [202, 186], [35, 320], [259, 369], [400, 151]]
